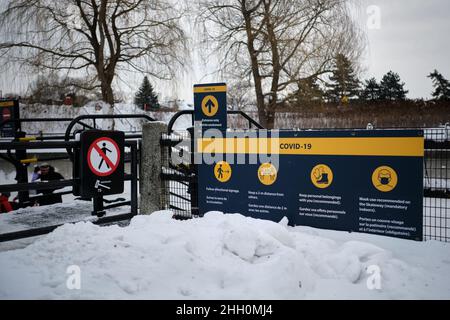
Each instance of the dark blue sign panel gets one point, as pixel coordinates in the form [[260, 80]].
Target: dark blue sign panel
[[210, 105], [359, 181], [101, 163], [9, 110]]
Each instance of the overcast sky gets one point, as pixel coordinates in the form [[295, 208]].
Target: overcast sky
[[413, 40]]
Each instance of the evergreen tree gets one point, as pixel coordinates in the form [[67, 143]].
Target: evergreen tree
[[146, 96], [344, 84], [441, 86], [371, 91], [308, 91], [391, 87]]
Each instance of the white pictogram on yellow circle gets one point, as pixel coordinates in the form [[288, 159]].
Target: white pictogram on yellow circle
[[321, 176], [222, 171], [267, 174], [210, 106], [384, 178]]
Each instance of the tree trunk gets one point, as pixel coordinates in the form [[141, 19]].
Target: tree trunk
[[276, 67], [108, 97], [262, 114], [107, 93], [255, 67], [270, 117]]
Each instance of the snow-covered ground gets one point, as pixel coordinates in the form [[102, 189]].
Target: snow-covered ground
[[222, 257], [93, 108], [215, 257]]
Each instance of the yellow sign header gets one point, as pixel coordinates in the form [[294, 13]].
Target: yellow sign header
[[210, 89], [7, 104], [401, 147]]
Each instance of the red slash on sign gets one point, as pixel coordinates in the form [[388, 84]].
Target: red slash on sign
[[103, 156]]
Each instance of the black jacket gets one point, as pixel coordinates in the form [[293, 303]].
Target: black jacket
[[48, 197], [50, 176]]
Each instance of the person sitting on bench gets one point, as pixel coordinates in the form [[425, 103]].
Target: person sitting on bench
[[48, 173]]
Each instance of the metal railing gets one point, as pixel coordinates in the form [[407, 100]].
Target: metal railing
[[251, 122], [73, 183], [436, 210], [179, 178], [15, 152]]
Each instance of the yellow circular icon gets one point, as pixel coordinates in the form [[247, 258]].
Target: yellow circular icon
[[267, 174], [210, 106], [385, 179], [321, 176], [222, 171]]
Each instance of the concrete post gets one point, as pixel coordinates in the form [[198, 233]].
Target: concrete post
[[152, 191]]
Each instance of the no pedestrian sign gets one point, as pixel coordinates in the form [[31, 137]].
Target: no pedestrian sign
[[101, 163], [103, 156]]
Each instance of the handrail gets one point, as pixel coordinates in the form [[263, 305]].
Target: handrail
[[250, 120], [35, 120], [37, 145], [104, 116], [55, 184], [178, 115], [100, 116]]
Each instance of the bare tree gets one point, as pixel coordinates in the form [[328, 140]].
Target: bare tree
[[278, 43], [94, 37], [239, 96]]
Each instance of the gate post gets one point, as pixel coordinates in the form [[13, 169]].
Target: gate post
[[150, 183]]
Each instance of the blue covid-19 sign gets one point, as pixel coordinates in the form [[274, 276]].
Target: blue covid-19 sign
[[359, 181]]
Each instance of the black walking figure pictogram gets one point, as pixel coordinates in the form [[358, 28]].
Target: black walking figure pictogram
[[105, 150], [220, 172]]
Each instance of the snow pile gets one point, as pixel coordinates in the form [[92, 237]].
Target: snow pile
[[221, 257]]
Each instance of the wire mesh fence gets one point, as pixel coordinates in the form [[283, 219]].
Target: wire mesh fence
[[177, 174], [180, 180], [436, 211]]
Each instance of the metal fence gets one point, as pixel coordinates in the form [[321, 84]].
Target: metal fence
[[15, 152], [436, 210], [179, 180], [177, 174]]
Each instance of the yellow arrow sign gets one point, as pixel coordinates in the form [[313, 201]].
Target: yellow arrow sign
[[210, 106]]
